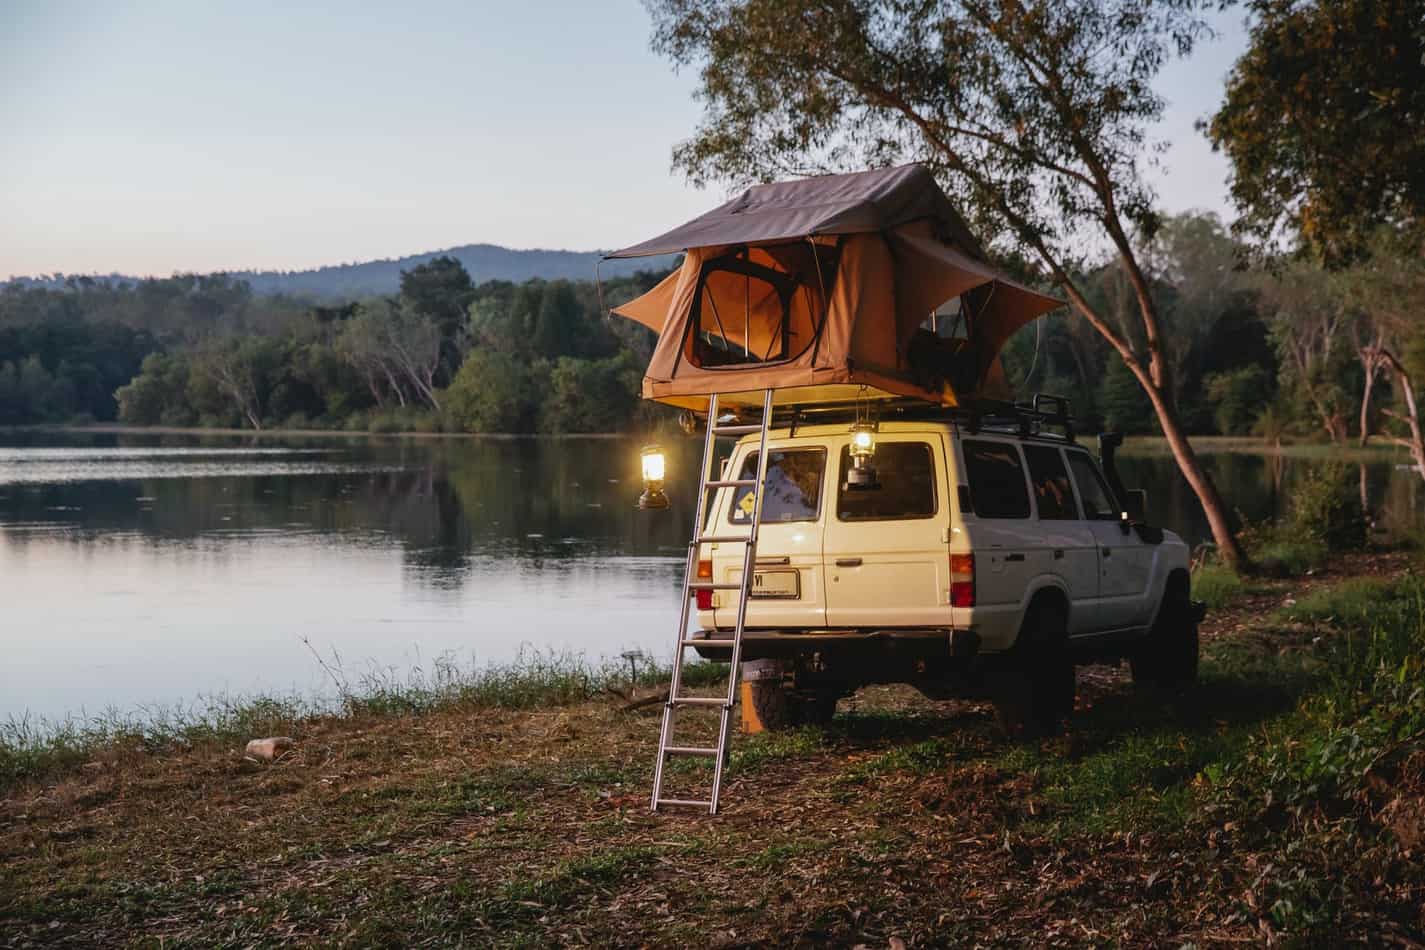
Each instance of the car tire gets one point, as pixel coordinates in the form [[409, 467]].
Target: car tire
[[1036, 697], [779, 707], [771, 704], [1168, 656]]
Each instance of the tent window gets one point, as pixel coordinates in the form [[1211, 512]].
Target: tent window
[[769, 309], [949, 321]]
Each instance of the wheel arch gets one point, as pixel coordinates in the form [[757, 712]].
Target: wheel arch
[[1046, 593], [1178, 579]]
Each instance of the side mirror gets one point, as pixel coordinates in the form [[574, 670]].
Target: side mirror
[[1135, 505]]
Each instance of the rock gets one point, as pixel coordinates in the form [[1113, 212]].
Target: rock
[[269, 749]]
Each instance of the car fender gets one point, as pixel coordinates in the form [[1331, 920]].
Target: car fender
[[1170, 556], [1039, 583]]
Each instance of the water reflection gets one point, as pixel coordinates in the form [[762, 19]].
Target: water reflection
[[148, 567]]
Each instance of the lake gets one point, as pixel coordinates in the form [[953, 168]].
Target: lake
[[142, 568]]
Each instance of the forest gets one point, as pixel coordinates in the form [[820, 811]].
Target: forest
[[1281, 349]]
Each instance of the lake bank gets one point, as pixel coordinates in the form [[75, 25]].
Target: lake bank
[[1154, 443], [479, 823], [226, 555]]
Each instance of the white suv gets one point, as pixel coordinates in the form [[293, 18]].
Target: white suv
[[982, 560]]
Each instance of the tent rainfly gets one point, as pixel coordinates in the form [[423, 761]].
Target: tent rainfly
[[826, 289]]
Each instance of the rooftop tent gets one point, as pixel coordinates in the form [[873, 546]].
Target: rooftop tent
[[823, 287]]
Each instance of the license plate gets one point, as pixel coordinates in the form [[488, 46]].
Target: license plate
[[785, 584]]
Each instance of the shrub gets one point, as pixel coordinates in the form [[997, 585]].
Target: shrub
[[1326, 510]]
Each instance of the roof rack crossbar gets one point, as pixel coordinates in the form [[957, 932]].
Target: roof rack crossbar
[[1023, 418]]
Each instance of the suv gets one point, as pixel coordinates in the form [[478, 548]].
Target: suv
[[978, 561]]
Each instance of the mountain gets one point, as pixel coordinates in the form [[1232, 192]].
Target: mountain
[[370, 278]]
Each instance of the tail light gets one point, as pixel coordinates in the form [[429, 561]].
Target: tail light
[[705, 596], [962, 580]]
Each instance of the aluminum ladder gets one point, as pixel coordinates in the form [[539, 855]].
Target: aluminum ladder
[[710, 481]]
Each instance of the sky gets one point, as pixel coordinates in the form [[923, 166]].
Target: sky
[[170, 135]]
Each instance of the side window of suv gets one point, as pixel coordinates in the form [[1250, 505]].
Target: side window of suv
[[996, 479], [906, 473], [1052, 491], [793, 486], [1098, 501]]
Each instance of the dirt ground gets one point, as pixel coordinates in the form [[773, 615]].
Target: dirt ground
[[907, 822]]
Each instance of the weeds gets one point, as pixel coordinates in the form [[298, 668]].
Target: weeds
[[32, 747], [1216, 585]]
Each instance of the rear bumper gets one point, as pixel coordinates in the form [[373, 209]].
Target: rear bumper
[[922, 643]]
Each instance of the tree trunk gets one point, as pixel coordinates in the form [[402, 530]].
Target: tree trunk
[[1228, 547], [1416, 442], [1371, 362]]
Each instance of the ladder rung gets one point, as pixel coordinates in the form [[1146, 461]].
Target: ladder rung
[[697, 701], [736, 430], [708, 643], [720, 538], [690, 802], [708, 585], [688, 750], [731, 483]]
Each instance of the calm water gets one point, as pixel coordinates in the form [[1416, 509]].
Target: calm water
[[140, 569]]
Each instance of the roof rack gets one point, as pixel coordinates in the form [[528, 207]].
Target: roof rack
[[1035, 418]]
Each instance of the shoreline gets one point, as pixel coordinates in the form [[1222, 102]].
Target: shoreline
[[104, 428], [1133, 444]]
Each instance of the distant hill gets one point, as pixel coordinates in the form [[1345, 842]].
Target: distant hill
[[370, 278]]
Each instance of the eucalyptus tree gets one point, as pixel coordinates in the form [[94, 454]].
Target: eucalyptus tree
[[1324, 122], [1388, 286], [1034, 114]]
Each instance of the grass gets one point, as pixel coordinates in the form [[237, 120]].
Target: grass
[[1269, 804], [32, 748], [1216, 585]]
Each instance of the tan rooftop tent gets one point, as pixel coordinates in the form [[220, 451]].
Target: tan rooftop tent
[[820, 287]]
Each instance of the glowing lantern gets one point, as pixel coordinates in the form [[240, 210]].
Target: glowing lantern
[[654, 469]]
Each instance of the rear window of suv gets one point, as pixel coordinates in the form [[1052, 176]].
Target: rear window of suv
[[793, 486], [905, 472], [996, 479]]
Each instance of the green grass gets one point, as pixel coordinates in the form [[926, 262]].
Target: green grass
[[31, 747], [1216, 585], [1291, 557]]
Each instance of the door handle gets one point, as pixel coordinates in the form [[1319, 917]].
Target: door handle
[[1058, 554], [773, 560], [1108, 552], [1014, 557], [848, 562]]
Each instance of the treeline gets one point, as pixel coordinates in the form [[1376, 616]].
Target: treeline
[[442, 354], [1274, 348], [1295, 350]]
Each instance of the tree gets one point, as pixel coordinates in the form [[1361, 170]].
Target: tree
[[1032, 113], [395, 350], [441, 291], [1324, 121], [590, 395], [1310, 318], [558, 327], [491, 393], [1388, 286], [236, 365]]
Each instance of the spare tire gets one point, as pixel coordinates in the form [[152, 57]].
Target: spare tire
[[776, 706]]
